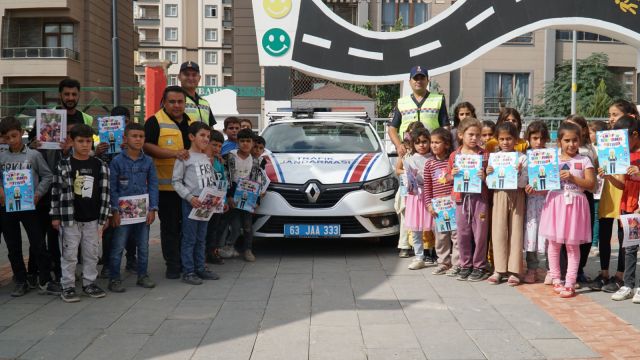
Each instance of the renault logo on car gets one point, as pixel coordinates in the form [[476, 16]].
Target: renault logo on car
[[313, 192]]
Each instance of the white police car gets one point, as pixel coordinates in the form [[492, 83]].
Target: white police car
[[330, 178]]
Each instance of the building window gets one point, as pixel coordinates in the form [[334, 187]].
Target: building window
[[210, 11], [171, 56], [211, 34], [412, 14], [171, 34], [565, 35], [172, 80], [59, 35], [524, 39], [211, 80], [171, 10], [499, 89], [210, 57]]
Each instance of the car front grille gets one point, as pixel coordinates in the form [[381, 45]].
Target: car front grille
[[348, 224], [329, 194]]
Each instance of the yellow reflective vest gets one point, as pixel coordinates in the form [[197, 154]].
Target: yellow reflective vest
[[198, 112], [170, 138], [428, 113]]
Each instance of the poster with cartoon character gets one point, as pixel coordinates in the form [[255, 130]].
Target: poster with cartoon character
[[631, 229], [111, 131], [18, 190], [505, 171], [543, 172], [51, 127], [613, 151], [246, 195], [212, 201], [133, 209], [446, 209], [467, 179]]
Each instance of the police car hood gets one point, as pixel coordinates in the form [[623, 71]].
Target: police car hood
[[294, 168]]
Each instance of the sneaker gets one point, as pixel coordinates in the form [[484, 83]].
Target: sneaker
[[440, 270], [213, 257], [227, 252], [145, 282], [235, 253], [623, 294], [172, 275], [567, 292], [191, 279], [417, 264], [69, 295], [530, 277], [207, 275], [598, 283], [404, 253], [94, 291], [248, 256], [463, 274], [548, 280], [454, 271], [513, 280], [50, 288], [582, 280], [429, 260], [104, 273], [32, 281], [613, 285], [495, 279], [20, 289], [636, 297], [478, 275], [116, 286]]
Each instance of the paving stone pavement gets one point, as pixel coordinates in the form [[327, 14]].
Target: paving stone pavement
[[312, 299]]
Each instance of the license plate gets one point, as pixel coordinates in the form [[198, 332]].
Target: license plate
[[311, 231]]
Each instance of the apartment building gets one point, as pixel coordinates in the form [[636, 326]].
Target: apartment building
[[46, 41], [527, 61], [183, 30]]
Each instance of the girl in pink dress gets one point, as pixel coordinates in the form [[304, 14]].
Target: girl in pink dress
[[565, 216]]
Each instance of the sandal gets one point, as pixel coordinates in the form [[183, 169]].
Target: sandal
[[567, 292], [513, 280], [558, 286], [495, 279]]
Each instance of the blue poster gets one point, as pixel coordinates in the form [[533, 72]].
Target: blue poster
[[18, 190], [505, 171], [543, 169], [246, 195], [467, 179], [613, 151], [446, 209], [111, 131]]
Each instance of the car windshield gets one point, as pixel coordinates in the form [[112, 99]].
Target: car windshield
[[320, 137]]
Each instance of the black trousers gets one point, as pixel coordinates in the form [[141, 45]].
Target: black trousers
[[170, 214], [50, 236], [11, 231], [604, 245]]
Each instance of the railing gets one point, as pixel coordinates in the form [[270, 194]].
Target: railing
[[227, 24], [146, 21], [493, 105], [150, 41], [227, 71], [227, 2], [39, 52]]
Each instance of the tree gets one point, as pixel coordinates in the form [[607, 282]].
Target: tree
[[599, 107], [591, 71]]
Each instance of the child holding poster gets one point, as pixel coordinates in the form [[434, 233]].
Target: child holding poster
[[437, 188], [189, 178], [538, 136], [507, 238], [562, 207], [472, 210], [23, 171], [133, 176]]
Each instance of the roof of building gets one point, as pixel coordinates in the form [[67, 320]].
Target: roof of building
[[332, 92]]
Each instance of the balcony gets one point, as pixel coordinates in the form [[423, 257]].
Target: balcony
[[227, 45], [227, 3], [139, 69], [227, 71], [146, 21], [227, 24], [148, 1], [39, 52]]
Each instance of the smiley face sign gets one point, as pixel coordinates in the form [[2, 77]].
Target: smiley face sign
[[276, 42], [277, 9]]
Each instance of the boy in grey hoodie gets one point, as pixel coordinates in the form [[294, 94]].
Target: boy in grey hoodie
[[189, 178], [20, 157]]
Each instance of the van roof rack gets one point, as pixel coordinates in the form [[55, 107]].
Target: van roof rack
[[315, 113]]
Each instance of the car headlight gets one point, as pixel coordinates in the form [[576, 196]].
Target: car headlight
[[381, 185]]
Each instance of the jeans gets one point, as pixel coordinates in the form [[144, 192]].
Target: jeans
[[121, 236], [596, 224], [242, 220], [418, 244], [107, 247], [631, 258], [193, 245], [11, 230], [169, 207]]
